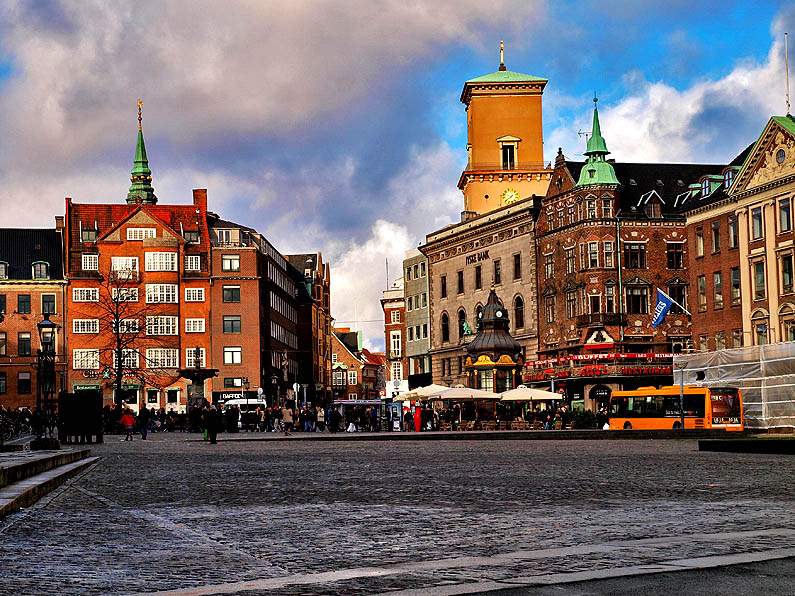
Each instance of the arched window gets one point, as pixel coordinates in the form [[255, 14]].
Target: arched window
[[760, 328], [518, 312], [478, 315], [41, 270], [462, 319], [445, 327], [786, 315]]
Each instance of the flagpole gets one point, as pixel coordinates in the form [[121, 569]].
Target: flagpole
[[687, 312]]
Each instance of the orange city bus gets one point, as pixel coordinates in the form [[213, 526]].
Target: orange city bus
[[652, 408]]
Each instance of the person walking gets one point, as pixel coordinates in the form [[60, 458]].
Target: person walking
[[127, 423], [320, 419], [287, 420], [212, 423], [143, 421]]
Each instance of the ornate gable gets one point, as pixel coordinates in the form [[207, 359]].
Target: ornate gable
[[772, 158]]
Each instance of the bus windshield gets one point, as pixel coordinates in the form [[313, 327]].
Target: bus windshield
[[657, 405], [726, 407]]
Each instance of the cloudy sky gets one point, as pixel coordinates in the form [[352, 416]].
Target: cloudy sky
[[336, 125]]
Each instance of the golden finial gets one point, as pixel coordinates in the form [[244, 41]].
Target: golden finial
[[140, 103], [502, 55]]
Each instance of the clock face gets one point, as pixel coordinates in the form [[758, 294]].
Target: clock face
[[499, 314], [509, 195]]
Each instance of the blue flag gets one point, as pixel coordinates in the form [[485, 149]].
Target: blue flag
[[664, 304]]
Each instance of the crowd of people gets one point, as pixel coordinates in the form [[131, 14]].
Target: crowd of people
[[211, 419]]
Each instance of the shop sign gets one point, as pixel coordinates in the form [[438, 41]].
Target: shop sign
[[596, 370], [647, 370], [86, 388]]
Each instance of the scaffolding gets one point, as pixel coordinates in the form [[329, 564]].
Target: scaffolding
[[765, 374]]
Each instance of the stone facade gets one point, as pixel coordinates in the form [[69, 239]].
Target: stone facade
[[497, 248], [418, 334]]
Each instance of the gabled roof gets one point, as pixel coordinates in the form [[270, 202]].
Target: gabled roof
[[20, 248], [374, 359], [756, 153], [107, 216]]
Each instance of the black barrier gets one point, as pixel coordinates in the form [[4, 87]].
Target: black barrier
[[80, 417]]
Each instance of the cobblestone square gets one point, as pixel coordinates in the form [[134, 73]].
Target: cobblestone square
[[175, 515]]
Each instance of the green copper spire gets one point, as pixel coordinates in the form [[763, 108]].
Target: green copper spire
[[141, 190], [597, 170]]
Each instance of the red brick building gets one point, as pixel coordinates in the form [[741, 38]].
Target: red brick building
[[31, 284], [146, 268], [608, 235], [254, 314], [313, 279], [394, 306]]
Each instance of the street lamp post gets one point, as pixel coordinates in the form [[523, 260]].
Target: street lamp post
[[45, 380], [681, 365]]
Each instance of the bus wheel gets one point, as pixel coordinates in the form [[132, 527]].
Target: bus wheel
[[627, 426], [677, 425]]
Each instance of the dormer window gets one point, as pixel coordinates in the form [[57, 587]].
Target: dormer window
[[3, 270], [88, 235], [41, 270], [705, 187], [653, 210], [632, 182], [728, 178]]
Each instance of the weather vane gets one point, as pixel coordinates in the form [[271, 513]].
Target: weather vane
[[140, 103]]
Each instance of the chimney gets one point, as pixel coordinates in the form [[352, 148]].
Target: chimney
[[59, 223], [200, 198]]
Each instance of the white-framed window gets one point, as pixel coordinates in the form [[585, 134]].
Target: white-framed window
[[161, 293], [353, 377], [394, 343], [161, 261], [339, 377], [194, 325], [194, 294], [334, 358], [124, 263], [395, 316], [608, 248], [162, 325], [85, 294], [90, 261], [129, 358], [233, 355], [126, 326], [124, 294], [162, 358], [85, 359], [230, 262], [85, 325], [190, 357], [353, 396], [397, 371], [193, 262], [141, 233], [593, 255]]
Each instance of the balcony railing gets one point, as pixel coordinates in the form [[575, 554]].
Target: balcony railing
[[499, 166], [601, 318]]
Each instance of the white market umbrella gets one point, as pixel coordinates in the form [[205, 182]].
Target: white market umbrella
[[524, 393], [464, 394], [426, 391]]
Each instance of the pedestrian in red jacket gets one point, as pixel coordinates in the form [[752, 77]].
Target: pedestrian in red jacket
[[128, 423]]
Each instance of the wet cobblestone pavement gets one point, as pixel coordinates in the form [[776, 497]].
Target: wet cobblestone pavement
[[177, 516]]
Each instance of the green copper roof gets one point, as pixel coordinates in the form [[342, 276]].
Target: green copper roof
[[141, 190], [506, 76], [597, 170], [787, 122]]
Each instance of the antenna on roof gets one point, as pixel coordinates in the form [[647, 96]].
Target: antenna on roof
[[786, 68], [584, 133], [387, 274], [502, 56]]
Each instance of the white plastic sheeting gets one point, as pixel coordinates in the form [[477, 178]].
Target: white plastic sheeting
[[765, 374]]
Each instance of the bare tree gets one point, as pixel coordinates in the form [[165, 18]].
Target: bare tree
[[130, 324]]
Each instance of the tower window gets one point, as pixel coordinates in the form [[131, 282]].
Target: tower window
[[508, 157]]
